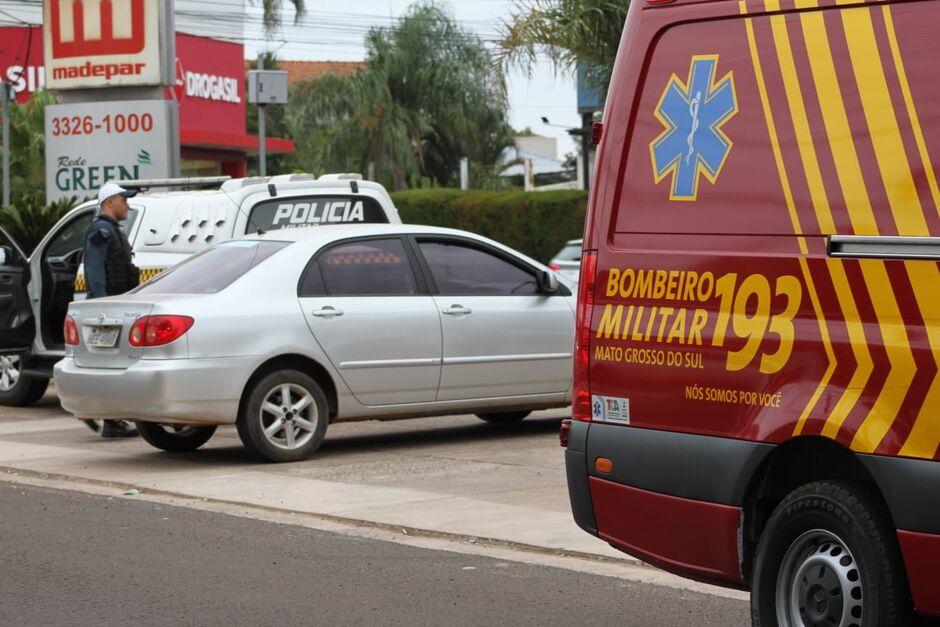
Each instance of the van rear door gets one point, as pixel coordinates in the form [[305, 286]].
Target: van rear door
[[17, 325]]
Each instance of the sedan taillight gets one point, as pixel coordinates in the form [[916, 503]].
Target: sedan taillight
[[158, 330], [71, 331]]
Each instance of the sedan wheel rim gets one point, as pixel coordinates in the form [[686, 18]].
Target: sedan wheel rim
[[9, 372], [289, 416], [819, 583]]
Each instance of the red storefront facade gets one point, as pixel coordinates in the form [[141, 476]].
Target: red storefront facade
[[210, 89]]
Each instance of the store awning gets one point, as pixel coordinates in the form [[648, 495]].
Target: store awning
[[247, 144]]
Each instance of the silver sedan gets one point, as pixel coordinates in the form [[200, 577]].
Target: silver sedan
[[284, 333]]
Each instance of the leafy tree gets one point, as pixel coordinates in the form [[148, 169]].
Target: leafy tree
[[571, 32], [426, 96], [27, 146]]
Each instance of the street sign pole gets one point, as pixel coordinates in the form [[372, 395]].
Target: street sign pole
[[262, 149], [4, 87]]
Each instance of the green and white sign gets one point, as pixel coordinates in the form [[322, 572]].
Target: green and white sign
[[88, 144]]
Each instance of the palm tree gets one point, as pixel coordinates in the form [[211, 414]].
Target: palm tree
[[272, 12], [571, 32], [426, 96]]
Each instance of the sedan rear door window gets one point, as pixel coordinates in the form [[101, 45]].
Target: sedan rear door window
[[462, 269], [377, 267]]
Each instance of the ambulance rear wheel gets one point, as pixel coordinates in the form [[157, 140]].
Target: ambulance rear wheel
[[17, 389], [829, 556]]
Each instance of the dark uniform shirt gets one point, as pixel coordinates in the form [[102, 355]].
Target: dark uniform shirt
[[108, 266]]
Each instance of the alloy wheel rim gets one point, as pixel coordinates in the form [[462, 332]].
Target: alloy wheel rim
[[819, 583], [289, 416], [9, 372]]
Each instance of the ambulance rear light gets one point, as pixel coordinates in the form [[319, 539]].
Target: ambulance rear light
[[581, 392], [341, 176], [554, 266]]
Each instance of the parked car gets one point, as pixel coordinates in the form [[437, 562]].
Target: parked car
[[286, 332], [163, 228], [567, 261]]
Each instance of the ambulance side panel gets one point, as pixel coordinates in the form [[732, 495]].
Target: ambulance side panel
[[757, 166]]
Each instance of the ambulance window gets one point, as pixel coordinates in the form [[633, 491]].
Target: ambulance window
[[460, 269], [298, 211], [366, 268]]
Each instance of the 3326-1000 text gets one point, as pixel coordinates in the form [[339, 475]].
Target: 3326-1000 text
[[117, 123]]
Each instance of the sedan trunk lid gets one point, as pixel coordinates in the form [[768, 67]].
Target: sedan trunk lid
[[104, 327]]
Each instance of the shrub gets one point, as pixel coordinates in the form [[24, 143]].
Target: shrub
[[535, 223], [28, 219]]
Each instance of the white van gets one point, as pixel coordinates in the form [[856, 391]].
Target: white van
[[163, 228]]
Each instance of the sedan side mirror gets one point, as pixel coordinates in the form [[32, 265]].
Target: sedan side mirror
[[548, 282]]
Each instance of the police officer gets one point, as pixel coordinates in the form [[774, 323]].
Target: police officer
[[109, 268]]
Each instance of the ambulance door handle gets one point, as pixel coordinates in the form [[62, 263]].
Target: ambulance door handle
[[327, 312]]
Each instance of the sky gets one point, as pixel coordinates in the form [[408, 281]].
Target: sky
[[335, 29]]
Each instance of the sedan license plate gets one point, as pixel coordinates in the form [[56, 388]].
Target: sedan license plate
[[103, 337]]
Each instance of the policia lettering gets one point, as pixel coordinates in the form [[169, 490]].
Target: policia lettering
[[744, 304]]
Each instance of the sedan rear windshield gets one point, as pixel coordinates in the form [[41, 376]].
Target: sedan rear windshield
[[213, 269]]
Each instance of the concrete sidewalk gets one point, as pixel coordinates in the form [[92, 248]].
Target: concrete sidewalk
[[452, 477]]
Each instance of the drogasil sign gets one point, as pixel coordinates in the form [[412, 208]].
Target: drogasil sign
[[102, 43]]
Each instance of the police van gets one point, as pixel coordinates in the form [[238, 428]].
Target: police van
[[163, 228], [756, 396]]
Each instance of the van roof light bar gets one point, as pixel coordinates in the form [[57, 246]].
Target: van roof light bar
[[195, 181]]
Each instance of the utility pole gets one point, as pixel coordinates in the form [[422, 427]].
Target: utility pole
[[6, 88], [262, 149]]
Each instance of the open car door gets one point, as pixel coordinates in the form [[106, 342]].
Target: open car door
[[17, 324]]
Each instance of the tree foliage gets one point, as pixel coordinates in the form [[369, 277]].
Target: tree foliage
[[29, 218], [272, 12], [426, 96], [28, 146], [571, 32]]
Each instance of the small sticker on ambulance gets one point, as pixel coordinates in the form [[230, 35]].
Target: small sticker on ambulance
[[610, 409]]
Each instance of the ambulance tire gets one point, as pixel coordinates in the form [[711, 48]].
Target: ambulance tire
[[282, 401], [503, 417], [17, 389], [828, 551], [174, 438]]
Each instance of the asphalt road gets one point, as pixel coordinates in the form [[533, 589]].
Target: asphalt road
[[71, 558]]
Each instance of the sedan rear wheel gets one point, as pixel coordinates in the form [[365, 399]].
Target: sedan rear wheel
[[17, 389], [174, 438], [285, 417], [504, 416]]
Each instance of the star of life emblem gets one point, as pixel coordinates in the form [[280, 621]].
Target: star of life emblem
[[693, 143]]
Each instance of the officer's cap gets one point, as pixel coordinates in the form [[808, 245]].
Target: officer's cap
[[110, 189]]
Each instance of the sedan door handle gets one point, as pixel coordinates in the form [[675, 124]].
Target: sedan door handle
[[327, 312], [456, 310]]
